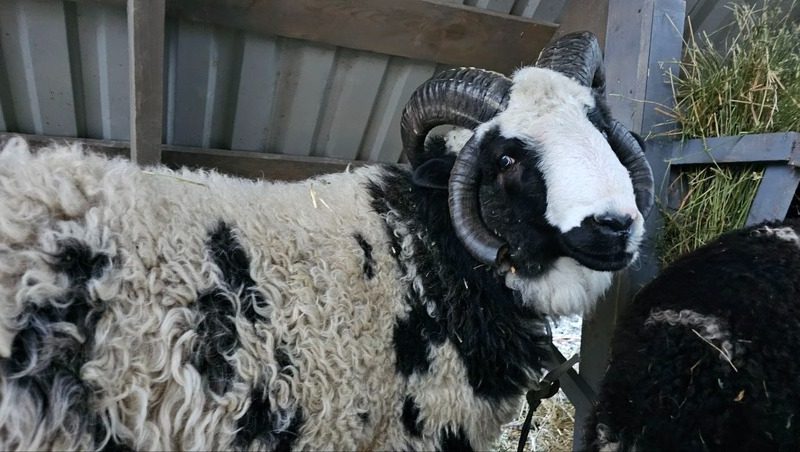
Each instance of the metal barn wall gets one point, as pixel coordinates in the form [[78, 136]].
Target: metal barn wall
[[64, 71]]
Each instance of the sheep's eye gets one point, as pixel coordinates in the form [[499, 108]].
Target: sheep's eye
[[505, 162]]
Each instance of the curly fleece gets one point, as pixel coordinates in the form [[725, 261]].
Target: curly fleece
[[152, 309], [704, 359]]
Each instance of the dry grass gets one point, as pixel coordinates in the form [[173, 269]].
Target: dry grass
[[551, 431], [751, 87]]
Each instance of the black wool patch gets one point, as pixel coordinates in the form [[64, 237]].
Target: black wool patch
[[455, 442], [413, 337], [410, 417], [260, 424], [112, 445], [499, 339], [45, 359], [364, 418], [218, 338], [234, 267], [369, 261]]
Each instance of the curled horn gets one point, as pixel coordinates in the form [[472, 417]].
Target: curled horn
[[578, 55], [465, 97], [631, 154]]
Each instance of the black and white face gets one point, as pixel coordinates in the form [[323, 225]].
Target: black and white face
[[555, 191]]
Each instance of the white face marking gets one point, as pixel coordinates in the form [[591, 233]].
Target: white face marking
[[785, 233], [583, 175], [565, 289]]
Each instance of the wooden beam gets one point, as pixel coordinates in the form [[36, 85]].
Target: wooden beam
[[643, 39], [425, 30], [253, 165], [775, 194], [783, 147], [146, 57], [589, 15]]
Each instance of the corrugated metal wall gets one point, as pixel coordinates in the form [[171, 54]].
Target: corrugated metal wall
[[64, 71]]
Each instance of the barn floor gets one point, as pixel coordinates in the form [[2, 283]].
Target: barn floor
[[554, 420]]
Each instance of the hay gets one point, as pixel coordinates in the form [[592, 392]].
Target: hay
[[554, 420], [751, 87]]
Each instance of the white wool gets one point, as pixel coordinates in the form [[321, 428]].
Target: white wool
[[307, 266], [785, 233], [564, 289], [584, 177]]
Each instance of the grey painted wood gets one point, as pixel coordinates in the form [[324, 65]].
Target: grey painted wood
[[642, 39], [580, 15], [146, 65], [38, 66], [355, 83], [430, 31], [259, 75], [103, 51], [305, 71], [775, 193], [254, 165], [382, 138], [781, 147]]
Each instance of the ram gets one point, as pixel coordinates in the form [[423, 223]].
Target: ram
[[383, 308], [704, 358]]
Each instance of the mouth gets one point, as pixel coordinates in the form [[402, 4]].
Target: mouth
[[612, 261]]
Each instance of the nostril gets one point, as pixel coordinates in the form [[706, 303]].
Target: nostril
[[613, 223]]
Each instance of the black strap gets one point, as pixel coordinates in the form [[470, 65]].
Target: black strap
[[546, 387]]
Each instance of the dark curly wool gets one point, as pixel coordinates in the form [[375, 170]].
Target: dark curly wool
[[500, 340], [670, 388]]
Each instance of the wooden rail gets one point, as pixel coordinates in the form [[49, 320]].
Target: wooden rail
[[253, 165], [778, 152], [146, 57], [419, 29]]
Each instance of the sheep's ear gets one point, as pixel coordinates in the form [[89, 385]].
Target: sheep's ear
[[434, 173]]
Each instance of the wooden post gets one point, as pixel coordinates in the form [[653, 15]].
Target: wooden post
[[146, 57], [643, 41]]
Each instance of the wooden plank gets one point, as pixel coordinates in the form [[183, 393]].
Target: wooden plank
[[589, 15], [427, 30], [781, 147], [111, 148], [775, 193], [146, 60], [417, 29], [254, 165], [643, 39]]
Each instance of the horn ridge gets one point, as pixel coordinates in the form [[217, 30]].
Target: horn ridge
[[465, 97], [577, 55], [632, 156]]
